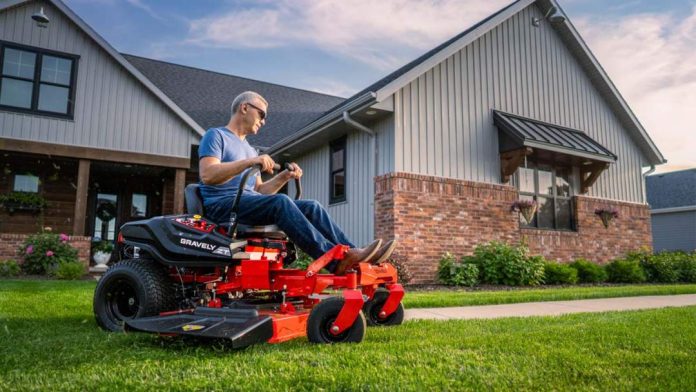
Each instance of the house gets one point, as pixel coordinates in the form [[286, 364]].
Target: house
[[434, 154], [672, 199], [86, 128], [514, 108]]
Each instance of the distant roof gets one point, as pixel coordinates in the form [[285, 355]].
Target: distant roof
[[674, 189], [206, 96]]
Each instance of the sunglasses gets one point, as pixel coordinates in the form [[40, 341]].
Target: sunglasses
[[262, 114]]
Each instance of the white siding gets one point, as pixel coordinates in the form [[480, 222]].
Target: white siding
[[444, 125], [112, 109]]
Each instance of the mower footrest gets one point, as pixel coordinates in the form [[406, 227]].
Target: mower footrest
[[241, 326]]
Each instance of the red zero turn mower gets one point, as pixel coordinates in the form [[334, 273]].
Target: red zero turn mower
[[183, 275]]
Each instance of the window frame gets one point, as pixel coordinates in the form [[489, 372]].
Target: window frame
[[553, 197], [36, 81], [334, 146]]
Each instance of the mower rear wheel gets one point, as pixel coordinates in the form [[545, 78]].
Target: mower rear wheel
[[322, 318], [131, 289], [374, 306]]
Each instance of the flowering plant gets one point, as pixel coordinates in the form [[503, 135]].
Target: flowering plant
[[41, 252], [607, 214], [525, 207]]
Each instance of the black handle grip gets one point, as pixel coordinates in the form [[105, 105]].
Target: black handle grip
[[298, 185]]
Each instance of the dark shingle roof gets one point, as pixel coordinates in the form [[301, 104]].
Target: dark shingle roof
[[206, 97], [675, 189]]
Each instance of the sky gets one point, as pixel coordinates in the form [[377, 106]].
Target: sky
[[338, 47]]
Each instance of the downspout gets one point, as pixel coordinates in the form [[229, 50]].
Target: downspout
[[360, 127], [645, 185]]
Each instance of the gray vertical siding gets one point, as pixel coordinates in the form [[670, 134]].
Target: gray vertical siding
[[356, 214], [112, 109], [443, 122], [674, 231]]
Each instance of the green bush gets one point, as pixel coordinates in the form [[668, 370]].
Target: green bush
[[589, 272], [9, 268], [41, 252], [555, 273], [499, 263], [302, 260], [625, 271], [402, 271], [68, 270], [103, 246], [687, 268], [453, 273], [662, 267]]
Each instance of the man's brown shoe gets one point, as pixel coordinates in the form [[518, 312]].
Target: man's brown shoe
[[357, 255], [383, 253]]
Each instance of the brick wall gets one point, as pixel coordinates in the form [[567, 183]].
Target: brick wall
[[10, 243], [431, 215]]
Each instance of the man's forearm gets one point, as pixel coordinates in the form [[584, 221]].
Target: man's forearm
[[273, 185], [225, 171]]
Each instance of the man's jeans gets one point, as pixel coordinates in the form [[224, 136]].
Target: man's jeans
[[306, 222]]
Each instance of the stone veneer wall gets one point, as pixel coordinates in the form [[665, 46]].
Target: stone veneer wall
[[10, 243], [432, 215]]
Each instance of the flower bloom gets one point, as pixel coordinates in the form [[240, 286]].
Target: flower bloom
[[49, 253], [30, 249], [64, 237]]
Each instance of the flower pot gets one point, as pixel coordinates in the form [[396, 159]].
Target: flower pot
[[528, 212], [606, 218], [101, 258]]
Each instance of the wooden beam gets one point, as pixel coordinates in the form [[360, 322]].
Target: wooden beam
[[80, 215], [511, 160], [590, 173], [98, 154], [179, 185]]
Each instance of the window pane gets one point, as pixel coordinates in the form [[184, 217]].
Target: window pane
[[19, 63], [337, 160], [53, 99], [523, 222], [545, 213], [139, 205], [526, 179], [16, 93], [26, 183], [545, 180], [56, 70], [563, 214], [105, 217], [339, 188], [563, 182]]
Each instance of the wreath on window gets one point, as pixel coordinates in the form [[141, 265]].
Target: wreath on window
[[106, 211]]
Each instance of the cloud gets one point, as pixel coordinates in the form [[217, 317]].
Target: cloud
[[652, 61], [383, 34], [139, 4]]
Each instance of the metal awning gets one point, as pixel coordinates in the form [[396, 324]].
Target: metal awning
[[525, 132]]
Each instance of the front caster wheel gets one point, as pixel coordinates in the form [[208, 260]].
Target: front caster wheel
[[374, 306], [322, 318]]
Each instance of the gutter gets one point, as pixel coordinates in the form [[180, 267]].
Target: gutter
[[321, 123]]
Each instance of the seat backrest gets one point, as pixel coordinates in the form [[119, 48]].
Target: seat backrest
[[193, 199]]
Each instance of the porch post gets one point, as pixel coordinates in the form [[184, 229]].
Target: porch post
[[179, 184], [81, 197]]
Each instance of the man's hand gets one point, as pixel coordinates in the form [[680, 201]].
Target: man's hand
[[294, 173], [266, 163]]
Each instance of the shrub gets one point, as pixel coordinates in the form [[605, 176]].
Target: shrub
[[555, 273], [402, 271], [589, 272], [9, 268], [302, 260], [43, 251], [662, 267], [453, 273], [103, 246], [625, 271], [68, 270], [444, 270], [500, 263], [687, 268]]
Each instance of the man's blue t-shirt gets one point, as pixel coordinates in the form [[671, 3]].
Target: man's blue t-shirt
[[221, 143]]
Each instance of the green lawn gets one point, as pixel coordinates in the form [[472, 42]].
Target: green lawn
[[49, 341], [438, 299]]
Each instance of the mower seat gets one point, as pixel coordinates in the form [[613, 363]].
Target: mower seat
[[194, 205]]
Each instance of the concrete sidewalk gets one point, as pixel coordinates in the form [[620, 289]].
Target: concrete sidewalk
[[551, 308]]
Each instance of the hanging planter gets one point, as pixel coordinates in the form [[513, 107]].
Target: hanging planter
[[23, 201], [527, 208], [606, 215]]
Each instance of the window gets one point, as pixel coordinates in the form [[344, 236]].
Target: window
[[26, 183], [337, 170], [138, 205], [552, 188], [37, 81]]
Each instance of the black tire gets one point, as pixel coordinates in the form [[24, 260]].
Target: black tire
[[322, 317], [132, 289], [373, 306]]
